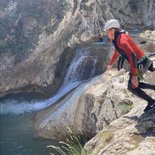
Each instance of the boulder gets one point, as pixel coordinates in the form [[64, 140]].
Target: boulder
[[88, 109], [131, 134]]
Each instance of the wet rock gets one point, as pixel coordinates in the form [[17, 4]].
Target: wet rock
[[88, 109], [35, 36]]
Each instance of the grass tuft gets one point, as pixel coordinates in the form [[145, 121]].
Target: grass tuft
[[72, 145]]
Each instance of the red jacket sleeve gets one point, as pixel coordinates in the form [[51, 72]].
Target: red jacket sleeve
[[114, 57], [131, 55]]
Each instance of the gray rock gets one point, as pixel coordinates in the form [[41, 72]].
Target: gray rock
[[36, 34], [87, 109], [131, 134]]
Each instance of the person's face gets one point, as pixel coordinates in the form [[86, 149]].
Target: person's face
[[110, 34]]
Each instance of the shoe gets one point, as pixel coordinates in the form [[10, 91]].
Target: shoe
[[149, 107]]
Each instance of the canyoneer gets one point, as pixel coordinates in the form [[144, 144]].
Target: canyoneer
[[139, 63]]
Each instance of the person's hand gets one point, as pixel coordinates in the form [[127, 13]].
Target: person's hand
[[109, 67], [134, 82]]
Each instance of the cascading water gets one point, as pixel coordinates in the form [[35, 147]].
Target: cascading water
[[82, 67], [17, 135], [78, 70]]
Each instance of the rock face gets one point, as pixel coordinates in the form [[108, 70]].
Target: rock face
[[148, 41], [36, 46], [94, 106], [36, 36], [132, 134], [88, 109], [36, 66]]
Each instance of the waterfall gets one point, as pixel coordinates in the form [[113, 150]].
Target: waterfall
[[82, 67]]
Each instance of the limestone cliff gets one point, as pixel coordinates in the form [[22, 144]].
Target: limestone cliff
[[87, 109], [102, 106], [131, 134], [36, 36], [37, 42]]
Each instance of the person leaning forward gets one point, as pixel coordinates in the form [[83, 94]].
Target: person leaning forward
[[138, 61]]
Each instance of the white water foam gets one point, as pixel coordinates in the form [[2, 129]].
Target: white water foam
[[10, 106], [71, 81]]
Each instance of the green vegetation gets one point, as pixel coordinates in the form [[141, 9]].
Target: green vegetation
[[126, 106], [135, 139], [125, 91], [105, 137], [72, 145]]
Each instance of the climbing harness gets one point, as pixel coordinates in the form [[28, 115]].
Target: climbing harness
[[142, 65]]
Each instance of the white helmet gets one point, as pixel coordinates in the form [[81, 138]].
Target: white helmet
[[113, 23]]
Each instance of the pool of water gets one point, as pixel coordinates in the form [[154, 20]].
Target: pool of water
[[18, 138]]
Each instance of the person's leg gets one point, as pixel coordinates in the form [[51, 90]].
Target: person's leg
[[140, 93], [146, 86]]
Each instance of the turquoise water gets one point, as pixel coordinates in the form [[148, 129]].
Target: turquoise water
[[18, 138]]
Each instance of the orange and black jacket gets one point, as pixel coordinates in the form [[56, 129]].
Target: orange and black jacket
[[125, 46]]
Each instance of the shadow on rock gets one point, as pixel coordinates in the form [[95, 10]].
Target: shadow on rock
[[145, 124]]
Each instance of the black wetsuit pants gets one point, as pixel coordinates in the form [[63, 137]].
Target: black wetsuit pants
[[139, 92]]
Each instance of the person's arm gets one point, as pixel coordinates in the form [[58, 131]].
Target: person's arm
[[113, 59]]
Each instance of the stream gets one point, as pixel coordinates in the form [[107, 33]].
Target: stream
[[16, 114]]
